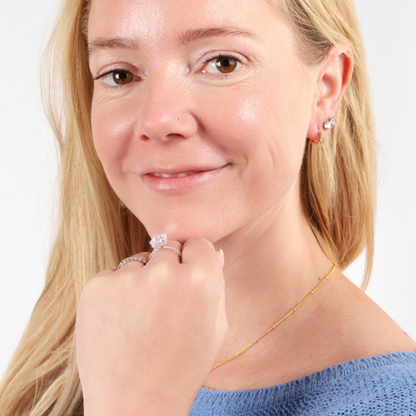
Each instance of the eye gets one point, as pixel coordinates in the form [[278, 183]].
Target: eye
[[116, 77], [222, 63]]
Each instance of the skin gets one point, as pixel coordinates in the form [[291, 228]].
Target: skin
[[250, 125]]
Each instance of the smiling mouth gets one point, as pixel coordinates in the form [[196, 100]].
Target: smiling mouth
[[180, 180]]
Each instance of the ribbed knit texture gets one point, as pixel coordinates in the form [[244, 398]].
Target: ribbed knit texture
[[382, 385]]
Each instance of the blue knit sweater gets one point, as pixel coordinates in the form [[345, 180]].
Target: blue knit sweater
[[382, 385]]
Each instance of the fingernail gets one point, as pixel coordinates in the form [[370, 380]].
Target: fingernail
[[222, 256]]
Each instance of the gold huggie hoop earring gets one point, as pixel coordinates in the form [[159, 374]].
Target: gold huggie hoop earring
[[320, 140]]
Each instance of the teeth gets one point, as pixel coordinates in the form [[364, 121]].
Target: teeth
[[166, 175]]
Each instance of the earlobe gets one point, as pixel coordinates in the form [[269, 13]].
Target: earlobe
[[327, 126]]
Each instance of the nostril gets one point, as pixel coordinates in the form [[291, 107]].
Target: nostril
[[163, 125]]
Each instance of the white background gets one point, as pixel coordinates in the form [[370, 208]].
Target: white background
[[28, 168]]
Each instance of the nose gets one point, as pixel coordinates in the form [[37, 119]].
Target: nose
[[166, 111]]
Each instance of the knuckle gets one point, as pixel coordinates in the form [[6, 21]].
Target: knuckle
[[197, 276], [96, 282], [198, 241], [200, 245], [202, 283], [159, 270], [104, 273]]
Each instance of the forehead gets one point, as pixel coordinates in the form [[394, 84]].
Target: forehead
[[150, 20]]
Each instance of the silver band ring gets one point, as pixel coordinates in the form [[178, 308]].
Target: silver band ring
[[173, 249], [166, 248], [129, 259]]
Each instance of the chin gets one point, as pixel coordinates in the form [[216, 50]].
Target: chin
[[182, 231]]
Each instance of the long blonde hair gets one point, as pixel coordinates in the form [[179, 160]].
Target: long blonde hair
[[94, 233]]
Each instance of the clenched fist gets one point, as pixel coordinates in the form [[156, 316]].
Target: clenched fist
[[148, 335]]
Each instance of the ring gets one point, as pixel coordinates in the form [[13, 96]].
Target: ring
[[129, 259], [158, 242], [173, 249], [166, 248]]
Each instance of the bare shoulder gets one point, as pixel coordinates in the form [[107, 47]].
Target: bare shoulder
[[365, 328]]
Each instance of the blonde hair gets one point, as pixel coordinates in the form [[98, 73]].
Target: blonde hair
[[94, 233]]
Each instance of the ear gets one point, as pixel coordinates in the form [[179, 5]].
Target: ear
[[333, 76]]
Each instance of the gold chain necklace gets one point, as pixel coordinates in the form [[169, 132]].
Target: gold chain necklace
[[281, 320]]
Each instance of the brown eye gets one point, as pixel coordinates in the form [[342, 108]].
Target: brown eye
[[122, 77], [225, 64]]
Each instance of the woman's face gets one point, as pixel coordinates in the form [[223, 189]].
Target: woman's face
[[200, 111]]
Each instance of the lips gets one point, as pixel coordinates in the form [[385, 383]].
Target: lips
[[174, 175], [179, 180]]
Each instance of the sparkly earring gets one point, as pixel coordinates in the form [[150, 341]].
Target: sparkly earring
[[330, 123], [327, 126], [122, 205], [320, 139]]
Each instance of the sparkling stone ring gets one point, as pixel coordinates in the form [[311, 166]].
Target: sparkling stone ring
[[158, 242], [129, 259]]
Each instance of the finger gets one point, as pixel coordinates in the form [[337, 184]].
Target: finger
[[169, 252], [202, 252]]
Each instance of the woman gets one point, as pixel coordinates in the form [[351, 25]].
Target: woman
[[244, 129]]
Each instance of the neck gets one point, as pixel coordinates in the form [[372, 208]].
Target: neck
[[270, 266]]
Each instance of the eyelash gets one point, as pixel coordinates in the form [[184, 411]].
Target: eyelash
[[204, 62], [111, 71]]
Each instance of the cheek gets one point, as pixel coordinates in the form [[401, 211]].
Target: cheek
[[111, 128], [247, 113], [266, 126], [267, 130]]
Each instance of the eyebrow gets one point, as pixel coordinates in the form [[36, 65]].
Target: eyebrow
[[113, 43], [190, 35]]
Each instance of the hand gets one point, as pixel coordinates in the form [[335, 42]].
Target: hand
[[148, 336]]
